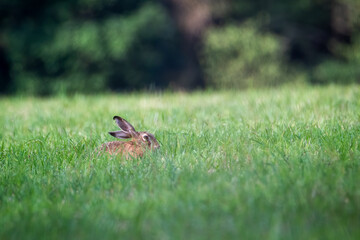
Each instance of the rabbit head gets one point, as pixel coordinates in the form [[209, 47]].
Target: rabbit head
[[128, 132]]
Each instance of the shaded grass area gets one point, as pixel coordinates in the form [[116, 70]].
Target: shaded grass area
[[275, 164]]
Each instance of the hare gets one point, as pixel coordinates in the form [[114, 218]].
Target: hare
[[139, 143]]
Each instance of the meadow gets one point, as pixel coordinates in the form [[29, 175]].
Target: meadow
[[257, 164]]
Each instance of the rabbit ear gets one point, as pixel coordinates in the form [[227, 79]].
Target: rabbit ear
[[123, 124], [120, 134]]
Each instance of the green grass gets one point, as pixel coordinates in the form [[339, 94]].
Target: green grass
[[273, 164]]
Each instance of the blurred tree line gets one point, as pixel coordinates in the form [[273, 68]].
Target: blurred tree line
[[66, 46]]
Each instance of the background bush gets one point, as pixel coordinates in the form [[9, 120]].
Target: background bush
[[114, 51], [346, 69], [242, 56], [89, 46]]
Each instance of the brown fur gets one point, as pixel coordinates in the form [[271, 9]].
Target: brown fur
[[126, 149]]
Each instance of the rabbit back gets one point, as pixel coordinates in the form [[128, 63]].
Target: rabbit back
[[127, 149]]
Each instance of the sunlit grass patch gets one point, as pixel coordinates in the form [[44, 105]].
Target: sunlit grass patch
[[280, 163]]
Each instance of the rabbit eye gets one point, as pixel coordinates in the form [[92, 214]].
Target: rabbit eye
[[145, 138]]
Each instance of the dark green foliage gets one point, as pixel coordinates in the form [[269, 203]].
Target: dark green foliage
[[50, 47], [319, 37], [346, 69], [305, 24], [241, 57], [89, 46]]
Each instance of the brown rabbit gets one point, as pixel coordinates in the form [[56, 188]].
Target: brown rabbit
[[139, 143]]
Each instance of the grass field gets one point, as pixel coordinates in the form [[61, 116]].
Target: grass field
[[256, 164]]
